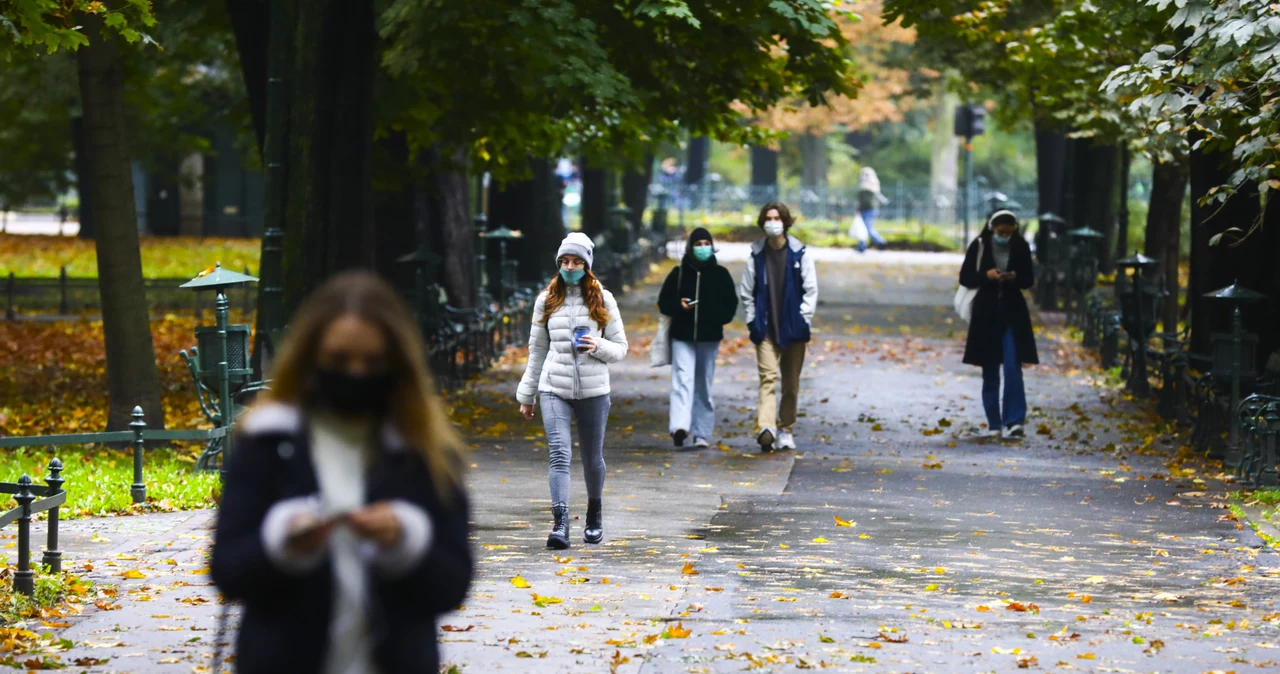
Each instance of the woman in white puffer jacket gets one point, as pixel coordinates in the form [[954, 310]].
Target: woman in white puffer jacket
[[569, 374]]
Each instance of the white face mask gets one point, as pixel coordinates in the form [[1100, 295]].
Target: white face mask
[[773, 228]]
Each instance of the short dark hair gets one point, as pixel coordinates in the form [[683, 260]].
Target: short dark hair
[[783, 212]]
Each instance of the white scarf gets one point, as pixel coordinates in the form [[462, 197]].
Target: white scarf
[[339, 451]]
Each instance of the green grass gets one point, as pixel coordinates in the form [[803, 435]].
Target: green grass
[[98, 480]]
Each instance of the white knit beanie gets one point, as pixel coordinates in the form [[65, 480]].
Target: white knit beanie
[[578, 244]]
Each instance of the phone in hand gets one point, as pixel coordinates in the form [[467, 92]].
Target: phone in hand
[[315, 526], [689, 302]]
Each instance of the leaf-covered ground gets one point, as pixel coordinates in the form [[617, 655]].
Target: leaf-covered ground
[[892, 541], [162, 257], [53, 380]]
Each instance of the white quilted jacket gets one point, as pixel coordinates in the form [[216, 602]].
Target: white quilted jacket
[[555, 366]]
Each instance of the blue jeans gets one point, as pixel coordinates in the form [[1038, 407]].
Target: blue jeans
[[1015, 396], [592, 414], [869, 218], [693, 366]]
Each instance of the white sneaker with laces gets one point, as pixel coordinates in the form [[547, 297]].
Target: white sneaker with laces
[[701, 442], [1014, 432], [786, 440]]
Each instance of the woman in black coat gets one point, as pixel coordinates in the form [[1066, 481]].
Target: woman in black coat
[[343, 521], [1000, 335], [700, 297]]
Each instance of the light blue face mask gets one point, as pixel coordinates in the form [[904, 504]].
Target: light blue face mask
[[702, 253], [1002, 240], [572, 277]]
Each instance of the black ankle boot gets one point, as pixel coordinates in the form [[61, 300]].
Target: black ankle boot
[[558, 539], [594, 531]]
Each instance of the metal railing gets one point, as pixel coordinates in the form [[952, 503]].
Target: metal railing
[[25, 493], [72, 295], [138, 435]]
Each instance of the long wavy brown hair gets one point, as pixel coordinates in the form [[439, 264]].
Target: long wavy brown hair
[[416, 410], [592, 296]]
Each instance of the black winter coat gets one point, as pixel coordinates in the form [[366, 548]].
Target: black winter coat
[[717, 295], [998, 304], [286, 617]]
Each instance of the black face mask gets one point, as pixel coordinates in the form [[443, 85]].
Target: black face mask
[[346, 393]]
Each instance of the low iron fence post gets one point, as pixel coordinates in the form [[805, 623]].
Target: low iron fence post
[[8, 312], [138, 490], [24, 580], [52, 556], [63, 307]]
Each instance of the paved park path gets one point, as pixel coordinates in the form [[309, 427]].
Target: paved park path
[[891, 541]]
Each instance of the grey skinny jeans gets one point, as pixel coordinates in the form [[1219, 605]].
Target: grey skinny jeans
[[592, 414]]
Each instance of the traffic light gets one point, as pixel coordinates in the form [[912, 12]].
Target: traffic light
[[971, 120]]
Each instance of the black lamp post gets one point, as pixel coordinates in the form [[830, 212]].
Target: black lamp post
[[507, 273], [1236, 352], [1135, 306], [1083, 268]]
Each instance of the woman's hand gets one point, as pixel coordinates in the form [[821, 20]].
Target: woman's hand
[[993, 274], [526, 411], [590, 342], [376, 522], [307, 534], [684, 304]]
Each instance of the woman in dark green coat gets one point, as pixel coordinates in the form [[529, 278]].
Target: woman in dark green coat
[[700, 297]]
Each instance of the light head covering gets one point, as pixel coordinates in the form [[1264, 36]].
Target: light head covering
[[578, 244]]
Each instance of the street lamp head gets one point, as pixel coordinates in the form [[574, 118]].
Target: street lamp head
[[217, 278]]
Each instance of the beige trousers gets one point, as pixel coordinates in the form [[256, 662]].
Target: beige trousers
[[771, 359]]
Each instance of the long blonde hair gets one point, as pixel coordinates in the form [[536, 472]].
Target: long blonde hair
[[592, 296], [416, 410]]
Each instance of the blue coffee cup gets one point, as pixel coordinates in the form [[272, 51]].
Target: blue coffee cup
[[578, 333]]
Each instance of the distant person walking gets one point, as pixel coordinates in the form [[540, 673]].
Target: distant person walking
[[343, 521], [1000, 335], [869, 201], [577, 332], [779, 293], [700, 297]]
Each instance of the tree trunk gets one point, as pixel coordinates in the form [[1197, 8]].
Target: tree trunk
[[1213, 267], [251, 25], [453, 236], [595, 197], [764, 167], [635, 194], [1164, 232], [84, 185], [813, 160], [944, 168], [328, 213], [132, 376], [533, 207], [394, 219], [1051, 164], [1096, 198], [696, 164]]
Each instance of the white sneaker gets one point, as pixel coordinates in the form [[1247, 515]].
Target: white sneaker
[[1014, 432], [988, 433], [786, 440], [701, 442]]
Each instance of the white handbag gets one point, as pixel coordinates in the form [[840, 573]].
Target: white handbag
[[858, 229], [660, 347], [964, 296]]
